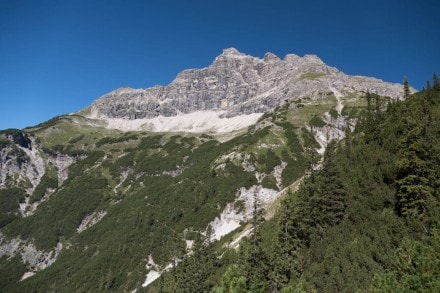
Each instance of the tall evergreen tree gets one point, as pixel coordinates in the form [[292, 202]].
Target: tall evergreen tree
[[232, 281], [256, 261], [328, 203], [415, 171], [406, 91], [436, 82]]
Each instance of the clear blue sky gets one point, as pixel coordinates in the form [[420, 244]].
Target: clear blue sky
[[57, 57]]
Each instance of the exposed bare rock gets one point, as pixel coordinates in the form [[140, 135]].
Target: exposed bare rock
[[237, 84], [91, 220], [35, 259], [62, 163], [21, 164]]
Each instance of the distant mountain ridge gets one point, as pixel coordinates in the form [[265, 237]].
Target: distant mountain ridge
[[234, 84]]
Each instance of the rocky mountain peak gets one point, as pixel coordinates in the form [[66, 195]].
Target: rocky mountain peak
[[236, 84], [313, 58], [232, 52], [270, 57]]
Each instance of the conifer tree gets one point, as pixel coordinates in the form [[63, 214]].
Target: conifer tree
[[328, 202], [406, 91], [435, 82], [284, 253], [232, 281], [415, 172], [256, 260], [428, 85]]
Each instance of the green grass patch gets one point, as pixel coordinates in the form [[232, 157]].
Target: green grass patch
[[312, 75]]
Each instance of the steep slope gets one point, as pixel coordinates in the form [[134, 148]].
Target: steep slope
[[107, 198], [231, 93], [140, 196], [367, 221]]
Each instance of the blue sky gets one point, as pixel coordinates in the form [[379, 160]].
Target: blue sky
[[57, 57]]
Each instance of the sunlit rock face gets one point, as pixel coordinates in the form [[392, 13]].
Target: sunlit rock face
[[237, 84]]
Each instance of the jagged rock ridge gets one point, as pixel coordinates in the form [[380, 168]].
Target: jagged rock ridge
[[237, 84]]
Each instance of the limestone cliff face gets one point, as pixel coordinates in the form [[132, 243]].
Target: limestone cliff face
[[19, 163], [238, 84], [23, 163]]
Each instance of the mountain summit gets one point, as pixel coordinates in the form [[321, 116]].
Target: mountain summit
[[235, 85]]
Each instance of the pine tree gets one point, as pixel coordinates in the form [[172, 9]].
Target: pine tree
[[293, 235], [406, 91], [256, 261], [232, 281], [283, 257], [369, 123], [328, 202], [415, 171], [435, 82]]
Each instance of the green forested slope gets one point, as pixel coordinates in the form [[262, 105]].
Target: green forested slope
[[171, 187], [368, 220]]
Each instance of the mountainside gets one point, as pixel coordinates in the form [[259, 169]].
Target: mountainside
[[145, 188], [234, 85]]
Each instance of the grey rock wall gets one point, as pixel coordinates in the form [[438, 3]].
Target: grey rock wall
[[238, 84]]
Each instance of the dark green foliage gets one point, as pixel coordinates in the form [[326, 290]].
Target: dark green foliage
[[327, 195], [375, 189], [333, 113], [113, 140], [52, 122], [11, 271], [416, 178], [350, 112], [48, 181], [317, 121], [406, 91], [270, 161], [193, 273], [60, 216], [295, 157], [4, 142], [232, 281], [123, 162], [150, 142], [308, 139], [414, 267], [9, 203], [269, 182], [255, 267], [90, 159], [76, 139], [145, 216]]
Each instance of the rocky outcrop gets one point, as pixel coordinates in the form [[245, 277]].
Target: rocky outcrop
[[34, 259], [238, 84], [90, 220], [20, 166], [21, 139]]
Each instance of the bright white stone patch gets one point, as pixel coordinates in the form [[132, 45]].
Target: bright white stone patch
[[230, 218], [338, 96], [199, 121], [151, 277], [27, 275], [278, 172], [91, 220]]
